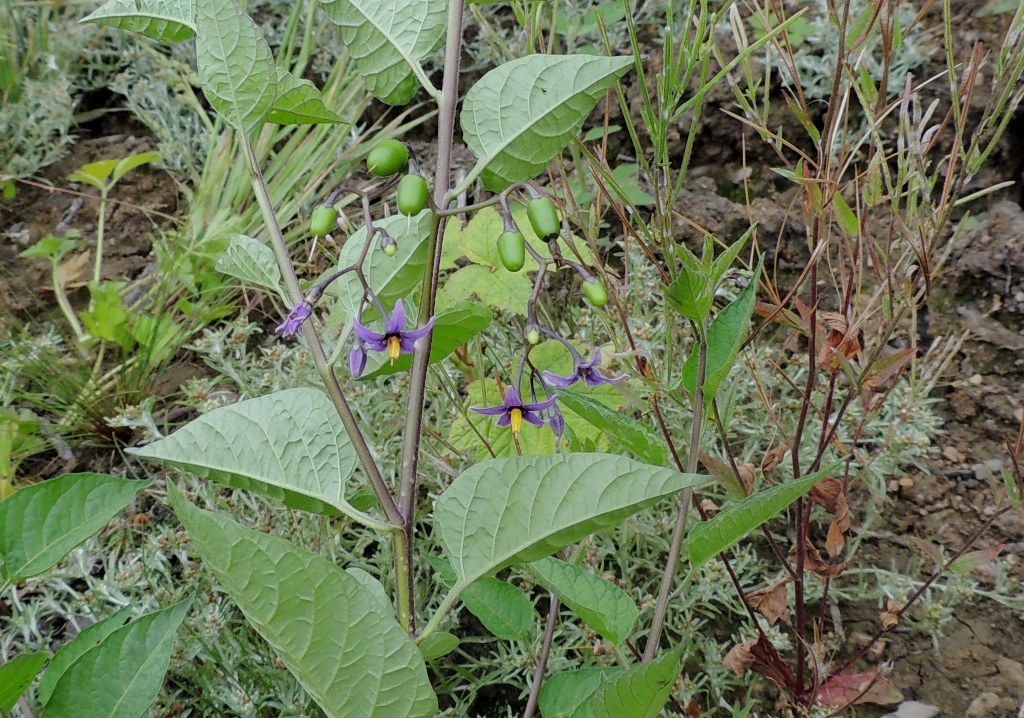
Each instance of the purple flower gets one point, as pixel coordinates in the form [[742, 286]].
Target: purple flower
[[302, 311], [587, 371], [395, 340], [557, 422], [513, 411]]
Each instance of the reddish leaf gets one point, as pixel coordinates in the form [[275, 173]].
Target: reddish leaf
[[846, 690]]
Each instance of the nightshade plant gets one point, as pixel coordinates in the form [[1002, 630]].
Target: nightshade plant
[[355, 652]]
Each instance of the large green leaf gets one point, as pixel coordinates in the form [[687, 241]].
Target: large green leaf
[[506, 511], [496, 287], [709, 538], [299, 102], [563, 693], [638, 692], [40, 524], [251, 261], [236, 67], [392, 278], [521, 115], [330, 630], [168, 20], [289, 445], [726, 335], [626, 430], [17, 675], [89, 638], [388, 39], [454, 327], [607, 608], [121, 677]]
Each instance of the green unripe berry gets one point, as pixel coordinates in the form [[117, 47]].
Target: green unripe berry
[[543, 217], [388, 158], [412, 195], [388, 244], [533, 336], [512, 250], [595, 292], [322, 221]]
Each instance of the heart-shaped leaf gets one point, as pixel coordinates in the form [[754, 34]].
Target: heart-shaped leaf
[[40, 524], [289, 445], [388, 39], [299, 102], [522, 114], [330, 630], [251, 261], [236, 67], [128, 666], [506, 511]]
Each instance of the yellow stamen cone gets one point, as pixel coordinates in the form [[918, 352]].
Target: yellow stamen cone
[[517, 419], [394, 348]]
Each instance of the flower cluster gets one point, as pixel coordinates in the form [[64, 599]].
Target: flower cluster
[[514, 411]]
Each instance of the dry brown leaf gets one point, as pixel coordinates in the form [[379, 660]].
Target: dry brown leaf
[[773, 458], [739, 659], [72, 268], [709, 507], [772, 602], [836, 539], [890, 617], [814, 562], [846, 690]]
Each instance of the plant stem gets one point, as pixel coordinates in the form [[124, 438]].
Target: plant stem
[[542, 660], [683, 507], [65, 306], [316, 349], [101, 222], [421, 360]]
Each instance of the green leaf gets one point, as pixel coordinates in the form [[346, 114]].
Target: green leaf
[[726, 335], [438, 645], [94, 173], [89, 638], [168, 20], [453, 327], [17, 675], [388, 39], [709, 538], [724, 260], [638, 692], [40, 524], [496, 287], [504, 609], [51, 247], [121, 677], [251, 261], [289, 445], [299, 103], [562, 694], [127, 164], [392, 278], [846, 217], [484, 392], [604, 606], [108, 318], [328, 628], [507, 511], [521, 115], [236, 68], [626, 430]]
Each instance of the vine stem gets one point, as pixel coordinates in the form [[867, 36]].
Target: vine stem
[[421, 361], [682, 508], [542, 660], [330, 379]]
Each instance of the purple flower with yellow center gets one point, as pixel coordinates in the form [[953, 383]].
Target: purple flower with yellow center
[[513, 411], [587, 371], [395, 340], [302, 311]]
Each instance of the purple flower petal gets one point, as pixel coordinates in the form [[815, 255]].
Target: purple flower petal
[[369, 336], [512, 398], [357, 361], [595, 378], [557, 423], [396, 322], [416, 334], [505, 420], [561, 382], [540, 406], [489, 410], [532, 417], [291, 325]]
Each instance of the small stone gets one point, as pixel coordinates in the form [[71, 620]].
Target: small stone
[[976, 380], [983, 706], [1013, 672], [913, 709], [953, 454]]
